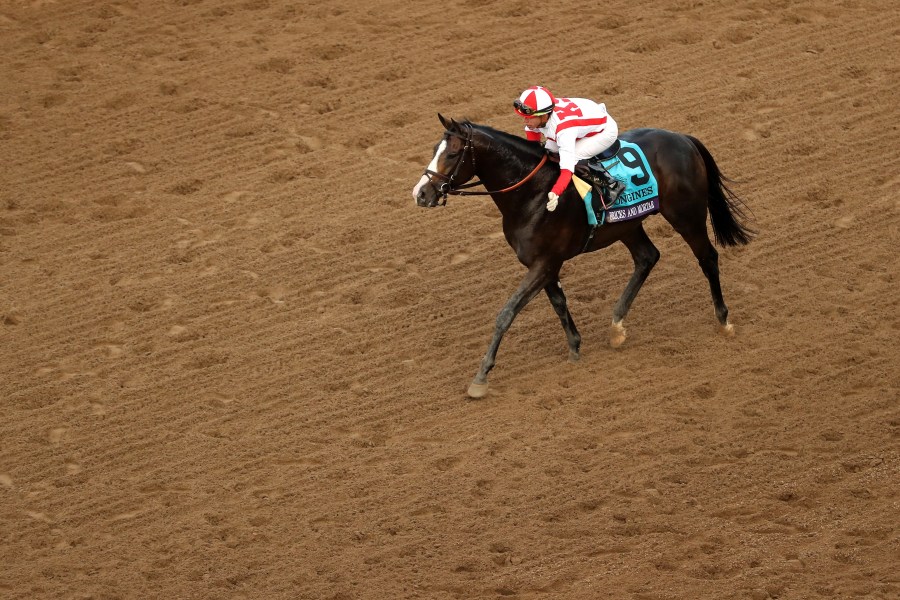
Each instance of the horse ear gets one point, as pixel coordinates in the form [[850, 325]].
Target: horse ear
[[444, 121]]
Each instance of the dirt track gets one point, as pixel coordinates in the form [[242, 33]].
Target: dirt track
[[233, 354]]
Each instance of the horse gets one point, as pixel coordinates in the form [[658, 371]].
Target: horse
[[517, 175]]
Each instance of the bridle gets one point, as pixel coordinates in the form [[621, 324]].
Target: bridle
[[447, 188]]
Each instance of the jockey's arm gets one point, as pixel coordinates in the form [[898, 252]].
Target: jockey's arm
[[552, 150], [549, 145], [565, 176], [567, 160]]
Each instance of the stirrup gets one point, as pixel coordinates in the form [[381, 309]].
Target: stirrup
[[615, 190], [613, 186]]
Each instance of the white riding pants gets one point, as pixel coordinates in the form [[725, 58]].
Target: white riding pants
[[589, 147]]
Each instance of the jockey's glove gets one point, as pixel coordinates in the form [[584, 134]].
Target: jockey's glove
[[552, 201]]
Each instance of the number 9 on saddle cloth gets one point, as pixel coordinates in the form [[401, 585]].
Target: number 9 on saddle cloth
[[623, 186]]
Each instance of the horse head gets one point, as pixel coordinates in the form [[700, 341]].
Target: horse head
[[453, 164]]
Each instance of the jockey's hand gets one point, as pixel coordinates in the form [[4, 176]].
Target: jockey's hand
[[552, 201]]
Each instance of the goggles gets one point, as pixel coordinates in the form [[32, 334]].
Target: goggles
[[527, 111]]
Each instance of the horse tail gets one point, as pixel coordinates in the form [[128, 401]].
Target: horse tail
[[725, 208]]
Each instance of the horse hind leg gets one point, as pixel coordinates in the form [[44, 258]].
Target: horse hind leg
[[708, 258], [558, 301], [645, 256]]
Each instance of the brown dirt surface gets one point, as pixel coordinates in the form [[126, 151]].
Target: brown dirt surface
[[234, 354]]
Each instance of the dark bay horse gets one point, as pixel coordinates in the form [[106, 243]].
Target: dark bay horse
[[517, 176]]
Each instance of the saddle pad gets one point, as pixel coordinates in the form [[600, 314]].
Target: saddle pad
[[641, 195]]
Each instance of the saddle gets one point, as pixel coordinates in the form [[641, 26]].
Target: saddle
[[592, 171]]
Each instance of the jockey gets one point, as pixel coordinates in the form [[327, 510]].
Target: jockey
[[577, 128]]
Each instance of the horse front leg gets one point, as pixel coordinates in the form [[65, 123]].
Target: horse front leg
[[558, 300], [538, 277]]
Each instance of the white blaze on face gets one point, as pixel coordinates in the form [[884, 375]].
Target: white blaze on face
[[432, 166]]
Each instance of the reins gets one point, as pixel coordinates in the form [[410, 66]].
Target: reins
[[458, 192], [446, 188]]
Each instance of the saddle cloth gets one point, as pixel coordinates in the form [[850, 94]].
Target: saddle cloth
[[629, 165]]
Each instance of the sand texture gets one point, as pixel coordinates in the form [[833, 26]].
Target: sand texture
[[234, 354]]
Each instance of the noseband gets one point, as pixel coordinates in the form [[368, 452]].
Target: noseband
[[447, 188]]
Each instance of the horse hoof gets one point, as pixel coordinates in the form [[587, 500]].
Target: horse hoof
[[726, 330], [477, 390], [617, 334], [574, 357]]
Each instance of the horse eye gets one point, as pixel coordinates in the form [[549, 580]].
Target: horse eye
[[452, 154]]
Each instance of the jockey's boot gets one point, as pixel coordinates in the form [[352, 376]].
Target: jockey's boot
[[614, 186]]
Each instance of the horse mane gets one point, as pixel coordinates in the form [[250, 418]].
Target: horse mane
[[513, 146]]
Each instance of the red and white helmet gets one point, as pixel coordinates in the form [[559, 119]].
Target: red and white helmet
[[534, 102]]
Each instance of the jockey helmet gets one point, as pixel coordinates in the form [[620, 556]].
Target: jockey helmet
[[534, 102]]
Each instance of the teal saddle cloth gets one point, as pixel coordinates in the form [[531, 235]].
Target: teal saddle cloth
[[641, 195]]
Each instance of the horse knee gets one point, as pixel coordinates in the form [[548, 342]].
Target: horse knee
[[505, 319]]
